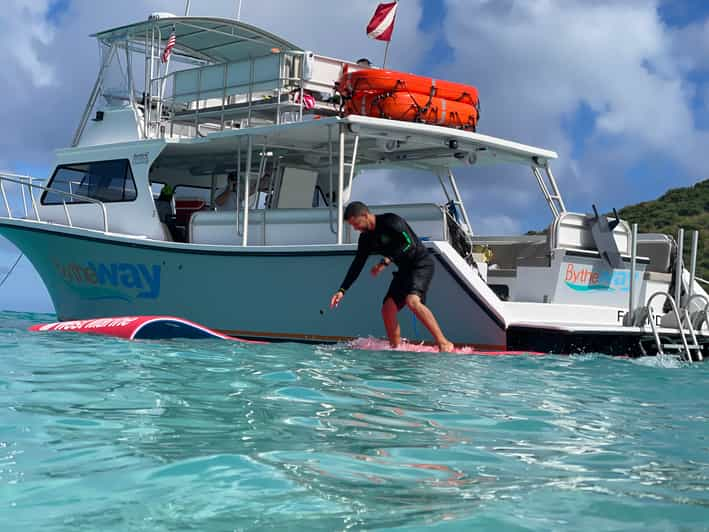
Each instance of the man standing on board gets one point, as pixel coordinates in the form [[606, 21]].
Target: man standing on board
[[389, 235]]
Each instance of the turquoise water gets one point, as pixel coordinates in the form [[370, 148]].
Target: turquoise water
[[104, 434]]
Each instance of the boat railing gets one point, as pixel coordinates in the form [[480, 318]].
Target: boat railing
[[23, 193], [277, 88], [28, 187]]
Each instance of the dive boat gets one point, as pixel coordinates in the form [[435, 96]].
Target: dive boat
[[127, 224]]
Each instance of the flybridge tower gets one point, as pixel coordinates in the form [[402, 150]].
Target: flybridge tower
[[219, 74]]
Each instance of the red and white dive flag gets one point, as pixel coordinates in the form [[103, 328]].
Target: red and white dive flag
[[168, 47], [382, 24]]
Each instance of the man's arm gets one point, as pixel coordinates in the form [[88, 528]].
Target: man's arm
[[398, 226], [360, 259], [357, 264]]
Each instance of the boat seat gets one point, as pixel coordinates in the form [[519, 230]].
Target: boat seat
[[574, 231], [658, 277], [658, 248], [508, 253], [535, 255], [426, 219], [275, 227], [500, 272], [185, 208]]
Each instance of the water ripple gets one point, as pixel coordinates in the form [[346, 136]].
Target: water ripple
[[102, 434]]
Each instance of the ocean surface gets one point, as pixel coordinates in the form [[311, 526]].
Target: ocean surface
[[103, 434]]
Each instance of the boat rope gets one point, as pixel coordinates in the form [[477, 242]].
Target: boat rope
[[9, 272], [704, 281]]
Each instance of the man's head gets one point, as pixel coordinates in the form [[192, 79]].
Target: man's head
[[357, 214], [364, 62]]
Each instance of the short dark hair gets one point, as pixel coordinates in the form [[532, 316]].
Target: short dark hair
[[355, 208]]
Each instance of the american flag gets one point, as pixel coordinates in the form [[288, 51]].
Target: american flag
[[168, 47]]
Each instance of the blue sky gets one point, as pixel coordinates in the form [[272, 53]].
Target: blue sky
[[619, 88]]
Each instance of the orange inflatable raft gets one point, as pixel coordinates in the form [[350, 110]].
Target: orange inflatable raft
[[400, 96]]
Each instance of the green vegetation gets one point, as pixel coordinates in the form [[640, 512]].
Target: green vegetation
[[679, 207]]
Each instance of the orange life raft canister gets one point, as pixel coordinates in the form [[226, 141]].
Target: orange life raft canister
[[401, 96]]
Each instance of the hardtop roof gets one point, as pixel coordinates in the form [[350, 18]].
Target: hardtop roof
[[214, 39], [383, 143]]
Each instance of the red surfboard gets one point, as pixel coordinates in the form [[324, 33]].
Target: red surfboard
[[139, 328], [170, 327]]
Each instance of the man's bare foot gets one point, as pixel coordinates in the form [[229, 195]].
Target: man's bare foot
[[446, 347]]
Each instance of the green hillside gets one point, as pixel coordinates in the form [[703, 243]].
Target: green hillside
[[679, 207]]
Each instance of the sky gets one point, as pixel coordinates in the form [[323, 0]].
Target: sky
[[618, 88]]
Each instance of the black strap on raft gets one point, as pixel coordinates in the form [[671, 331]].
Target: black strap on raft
[[423, 111]]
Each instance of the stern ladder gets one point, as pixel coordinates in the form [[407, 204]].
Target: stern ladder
[[684, 328]]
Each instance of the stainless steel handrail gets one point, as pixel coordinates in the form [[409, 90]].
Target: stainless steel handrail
[[679, 267], [281, 81], [680, 328], [9, 177], [628, 319]]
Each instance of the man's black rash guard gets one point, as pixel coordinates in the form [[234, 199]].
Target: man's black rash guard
[[393, 238]]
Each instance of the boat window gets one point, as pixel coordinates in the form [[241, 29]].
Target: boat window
[[156, 188], [107, 181]]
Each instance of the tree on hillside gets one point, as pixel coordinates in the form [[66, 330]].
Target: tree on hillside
[[679, 207]]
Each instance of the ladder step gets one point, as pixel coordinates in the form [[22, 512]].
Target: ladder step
[[679, 346]]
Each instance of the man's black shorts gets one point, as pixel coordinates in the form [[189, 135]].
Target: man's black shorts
[[413, 280]]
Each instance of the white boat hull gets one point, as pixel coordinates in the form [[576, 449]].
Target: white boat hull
[[283, 293], [269, 292]]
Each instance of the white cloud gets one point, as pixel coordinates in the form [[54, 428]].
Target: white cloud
[[25, 35], [537, 62], [496, 225], [391, 187], [691, 46]]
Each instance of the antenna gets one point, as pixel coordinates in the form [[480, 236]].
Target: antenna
[[187, 9], [238, 11]]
